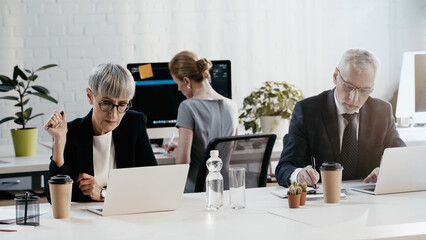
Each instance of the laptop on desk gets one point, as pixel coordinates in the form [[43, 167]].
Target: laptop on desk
[[143, 189], [401, 170]]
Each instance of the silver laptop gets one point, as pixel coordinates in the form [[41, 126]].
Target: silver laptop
[[143, 189], [401, 170]]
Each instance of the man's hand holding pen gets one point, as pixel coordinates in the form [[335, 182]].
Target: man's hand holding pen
[[308, 175]]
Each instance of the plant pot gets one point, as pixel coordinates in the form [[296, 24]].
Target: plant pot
[[303, 198], [274, 124], [293, 201], [24, 141]]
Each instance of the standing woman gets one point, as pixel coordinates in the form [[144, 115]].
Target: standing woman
[[204, 115], [108, 137]]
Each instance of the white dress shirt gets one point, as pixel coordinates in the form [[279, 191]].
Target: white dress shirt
[[103, 157], [342, 122]]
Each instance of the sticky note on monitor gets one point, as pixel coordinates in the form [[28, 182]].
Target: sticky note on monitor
[[145, 71]]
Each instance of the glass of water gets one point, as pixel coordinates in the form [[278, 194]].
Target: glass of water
[[237, 187]]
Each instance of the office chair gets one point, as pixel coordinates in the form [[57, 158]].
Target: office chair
[[252, 152]]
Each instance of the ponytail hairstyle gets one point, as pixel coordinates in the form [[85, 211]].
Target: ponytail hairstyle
[[188, 64]]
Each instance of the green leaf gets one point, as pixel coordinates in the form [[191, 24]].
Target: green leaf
[[5, 79], [49, 98], [33, 77], [6, 88], [23, 104], [10, 98], [19, 121], [35, 116], [45, 67], [27, 70], [40, 89], [27, 113], [18, 72], [6, 119], [22, 84]]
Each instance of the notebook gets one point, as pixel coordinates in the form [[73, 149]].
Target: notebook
[[143, 189], [401, 170]]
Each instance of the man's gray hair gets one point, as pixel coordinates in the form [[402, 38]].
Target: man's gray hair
[[359, 59], [112, 80]]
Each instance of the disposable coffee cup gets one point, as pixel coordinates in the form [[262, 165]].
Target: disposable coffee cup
[[60, 187], [331, 175]]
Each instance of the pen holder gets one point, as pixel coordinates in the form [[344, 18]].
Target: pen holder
[[28, 210]]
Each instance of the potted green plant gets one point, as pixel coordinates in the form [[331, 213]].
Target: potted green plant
[[24, 139], [272, 105], [304, 187], [293, 195]]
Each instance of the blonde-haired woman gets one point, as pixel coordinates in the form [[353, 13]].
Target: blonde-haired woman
[[204, 115]]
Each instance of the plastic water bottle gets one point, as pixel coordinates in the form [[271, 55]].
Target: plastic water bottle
[[214, 182]]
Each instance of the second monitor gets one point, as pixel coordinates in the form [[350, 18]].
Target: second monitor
[[158, 97]]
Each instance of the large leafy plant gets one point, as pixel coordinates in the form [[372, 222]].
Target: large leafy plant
[[271, 99], [24, 90]]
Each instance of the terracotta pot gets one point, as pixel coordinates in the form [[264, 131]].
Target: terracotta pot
[[303, 198], [293, 201]]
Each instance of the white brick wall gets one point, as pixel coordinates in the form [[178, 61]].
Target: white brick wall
[[299, 41]]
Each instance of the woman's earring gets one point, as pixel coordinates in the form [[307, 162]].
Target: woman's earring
[[189, 87]]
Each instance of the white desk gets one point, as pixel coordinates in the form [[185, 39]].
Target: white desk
[[266, 216]]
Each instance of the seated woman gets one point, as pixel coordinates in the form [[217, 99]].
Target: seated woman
[[204, 115], [108, 137]]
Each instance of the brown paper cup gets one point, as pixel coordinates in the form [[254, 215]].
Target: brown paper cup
[[331, 181], [60, 187]]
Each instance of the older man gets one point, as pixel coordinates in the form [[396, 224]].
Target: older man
[[342, 125]]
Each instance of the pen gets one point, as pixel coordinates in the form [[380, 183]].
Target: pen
[[171, 139], [50, 125], [314, 167]]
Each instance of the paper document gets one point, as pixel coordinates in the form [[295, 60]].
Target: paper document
[[281, 192]]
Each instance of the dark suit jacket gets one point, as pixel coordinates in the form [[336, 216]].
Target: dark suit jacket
[[132, 149], [314, 131]]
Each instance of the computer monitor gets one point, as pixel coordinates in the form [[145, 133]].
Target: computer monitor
[[158, 97], [412, 87]]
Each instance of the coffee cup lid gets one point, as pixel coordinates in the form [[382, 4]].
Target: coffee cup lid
[[60, 179], [327, 166]]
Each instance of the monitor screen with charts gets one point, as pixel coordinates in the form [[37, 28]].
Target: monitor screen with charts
[[157, 94]]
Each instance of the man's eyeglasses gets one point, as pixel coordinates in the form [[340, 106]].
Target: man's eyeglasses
[[107, 106], [347, 87]]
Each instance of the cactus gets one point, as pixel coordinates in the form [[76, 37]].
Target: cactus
[[304, 186], [294, 189]]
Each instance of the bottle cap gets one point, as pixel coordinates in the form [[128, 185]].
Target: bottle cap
[[60, 179], [214, 153]]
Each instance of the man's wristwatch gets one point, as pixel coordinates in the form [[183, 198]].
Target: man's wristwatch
[[103, 193]]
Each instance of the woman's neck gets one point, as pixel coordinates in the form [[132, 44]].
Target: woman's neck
[[204, 90]]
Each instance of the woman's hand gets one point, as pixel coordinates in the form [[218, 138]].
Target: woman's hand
[[89, 186], [170, 148], [57, 127]]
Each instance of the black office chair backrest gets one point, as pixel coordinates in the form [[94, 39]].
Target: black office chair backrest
[[252, 152]]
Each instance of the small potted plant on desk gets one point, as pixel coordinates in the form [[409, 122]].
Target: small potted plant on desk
[[304, 187], [272, 105], [24, 139], [293, 195]]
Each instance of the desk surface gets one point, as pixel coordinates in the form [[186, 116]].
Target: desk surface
[[266, 216]]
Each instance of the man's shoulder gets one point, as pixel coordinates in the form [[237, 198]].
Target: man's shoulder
[[377, 104], [317, 99]]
